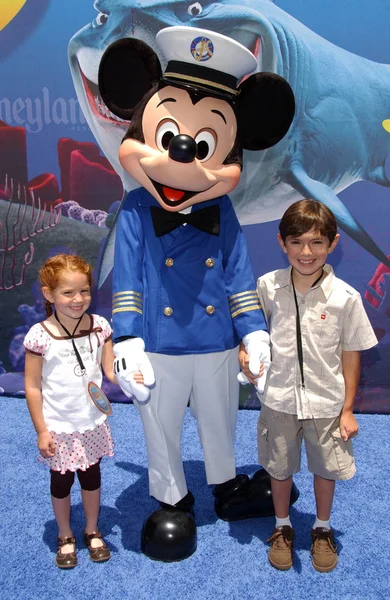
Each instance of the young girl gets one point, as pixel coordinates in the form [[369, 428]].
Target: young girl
[[64, 353]]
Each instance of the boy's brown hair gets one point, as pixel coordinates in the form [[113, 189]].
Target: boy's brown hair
[[304, 215]]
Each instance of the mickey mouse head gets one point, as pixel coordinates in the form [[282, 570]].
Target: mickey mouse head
[[189, 125]]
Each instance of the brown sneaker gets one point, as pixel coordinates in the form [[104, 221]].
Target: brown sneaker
[[280, 553], [323, 550]]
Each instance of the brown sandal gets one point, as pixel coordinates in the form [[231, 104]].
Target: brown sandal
[[66, 560], [99, 554]]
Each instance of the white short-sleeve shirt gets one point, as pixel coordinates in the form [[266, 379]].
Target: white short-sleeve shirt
[[332, 319], [66, 404]]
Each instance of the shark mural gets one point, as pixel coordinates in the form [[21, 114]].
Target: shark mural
[[340, 133]]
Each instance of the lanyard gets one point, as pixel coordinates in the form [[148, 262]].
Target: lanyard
[[96, 394], [298, 326], [71, 335]]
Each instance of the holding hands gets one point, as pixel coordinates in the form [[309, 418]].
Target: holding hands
[[133, 369], [255, 359]]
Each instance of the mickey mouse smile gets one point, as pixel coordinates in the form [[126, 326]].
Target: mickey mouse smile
[[172, 196]]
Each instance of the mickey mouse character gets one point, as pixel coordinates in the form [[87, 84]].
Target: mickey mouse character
[[183, 289]]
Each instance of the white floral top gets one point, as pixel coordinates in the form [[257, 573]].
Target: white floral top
[[67, 406]]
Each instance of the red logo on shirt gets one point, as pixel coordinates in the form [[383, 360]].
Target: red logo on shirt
[[323, 316]]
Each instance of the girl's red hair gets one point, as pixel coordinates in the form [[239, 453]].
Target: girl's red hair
[[50, 273]]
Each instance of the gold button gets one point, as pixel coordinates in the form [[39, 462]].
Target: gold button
[[169, 262], [168, 311], [210, 309], [209, 263]]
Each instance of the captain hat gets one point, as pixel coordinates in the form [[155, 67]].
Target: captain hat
[[203, 59]]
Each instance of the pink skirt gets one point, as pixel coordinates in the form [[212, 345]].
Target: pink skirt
[[74, 451]]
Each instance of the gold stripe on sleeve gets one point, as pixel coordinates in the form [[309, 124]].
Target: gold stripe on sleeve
[[128, 293], [248, 298], [125, 302], [127, 309], [242, 310], [242, 294], [244, 304]]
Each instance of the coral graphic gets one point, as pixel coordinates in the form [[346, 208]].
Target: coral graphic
[[86, 177], [73, 210], [25, 218], [375, 379], [13, 153], [378, 299], [13, 383], [31, 315]]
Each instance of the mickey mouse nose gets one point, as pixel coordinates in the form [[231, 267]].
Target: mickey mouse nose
[[182, 148]]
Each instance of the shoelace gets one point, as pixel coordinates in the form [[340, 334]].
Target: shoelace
[[281, 538], [323, 542]]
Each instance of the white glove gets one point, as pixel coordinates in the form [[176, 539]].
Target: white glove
[[130, 356], [257, 347], [260, 383]]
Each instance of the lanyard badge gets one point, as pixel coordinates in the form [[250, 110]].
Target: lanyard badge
[[95, 393], [99, 398], [302, 391], [298, 327]]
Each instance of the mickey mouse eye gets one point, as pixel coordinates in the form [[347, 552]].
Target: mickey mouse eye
[[206, 141], [166, 130], [195, 9], [100, 20]]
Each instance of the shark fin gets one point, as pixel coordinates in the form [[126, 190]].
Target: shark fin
[[107, 257], [310, 188]]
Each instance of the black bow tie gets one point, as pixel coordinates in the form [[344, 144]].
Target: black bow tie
[[206, 219]]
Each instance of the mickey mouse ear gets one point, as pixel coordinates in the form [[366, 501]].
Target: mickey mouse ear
[[128, 69], [266, 108]]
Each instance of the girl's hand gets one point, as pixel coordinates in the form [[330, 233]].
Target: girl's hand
[[46, 444], [138, 377], [348, 426]]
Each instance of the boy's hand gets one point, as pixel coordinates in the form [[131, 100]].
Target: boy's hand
[[46, 444], [243, 359], [257, 346], [246, 375], [348, 426], [255, 360]]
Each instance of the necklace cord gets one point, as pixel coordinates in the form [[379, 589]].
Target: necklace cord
[[71, 336], [298, 326]]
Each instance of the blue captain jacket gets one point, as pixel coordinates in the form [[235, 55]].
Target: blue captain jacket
[[186, 292]]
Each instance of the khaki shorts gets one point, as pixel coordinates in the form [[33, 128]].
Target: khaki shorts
[[279, 440]]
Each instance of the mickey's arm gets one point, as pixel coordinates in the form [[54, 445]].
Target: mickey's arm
[[245, 309], [127, 306]]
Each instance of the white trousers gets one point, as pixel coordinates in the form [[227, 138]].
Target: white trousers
[[209, 382]]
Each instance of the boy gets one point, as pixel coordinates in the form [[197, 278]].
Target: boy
[[318, 327]]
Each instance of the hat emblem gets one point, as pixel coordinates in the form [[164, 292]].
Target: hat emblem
[[202, 48]]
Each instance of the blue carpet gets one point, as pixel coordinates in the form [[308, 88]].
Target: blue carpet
[[231, 560]]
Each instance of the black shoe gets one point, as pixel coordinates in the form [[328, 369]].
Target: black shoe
[[224, 491], [184, 505], [252, 499], [169, 535]]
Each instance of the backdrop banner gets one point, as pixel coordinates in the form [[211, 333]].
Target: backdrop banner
[[61, 184]]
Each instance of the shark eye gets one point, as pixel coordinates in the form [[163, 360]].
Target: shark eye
[[166, 130], [206, 141], [101, 19], [195, 9]]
